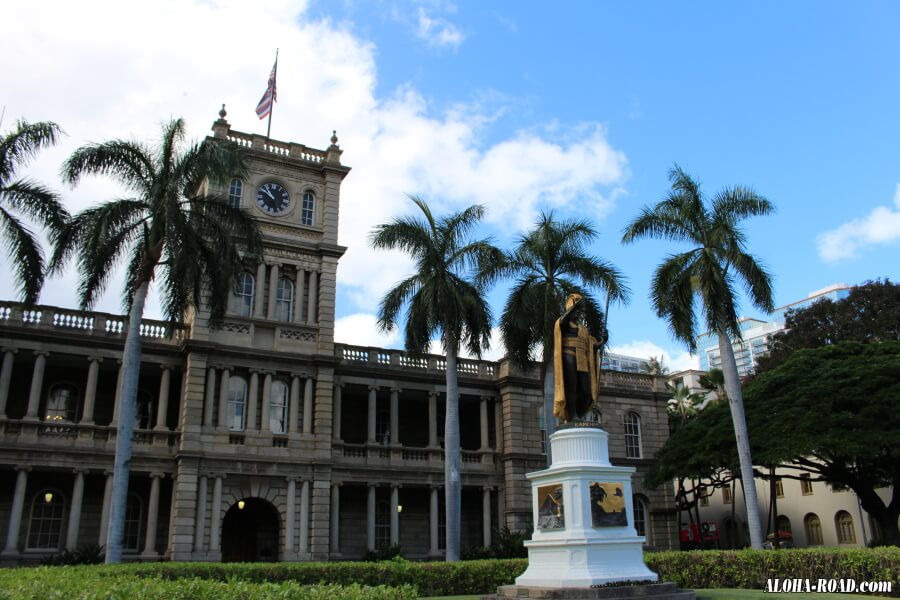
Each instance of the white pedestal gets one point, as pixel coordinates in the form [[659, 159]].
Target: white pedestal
[[580, 554]]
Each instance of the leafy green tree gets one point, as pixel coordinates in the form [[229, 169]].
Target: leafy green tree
[[681, 406], [548, 263], [443, 298], [708, 273], [870, 313], [30, 199], [833, 412], [172, 231]]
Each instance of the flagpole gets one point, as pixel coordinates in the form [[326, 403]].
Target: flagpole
[[272, 109]]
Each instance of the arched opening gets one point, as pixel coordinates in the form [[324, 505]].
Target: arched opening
[[250, 532]]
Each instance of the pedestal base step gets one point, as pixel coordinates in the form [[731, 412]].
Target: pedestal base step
[[651, 591]]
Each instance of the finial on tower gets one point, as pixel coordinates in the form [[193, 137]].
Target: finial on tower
[[220, 126], [222, 113], [334, 137]]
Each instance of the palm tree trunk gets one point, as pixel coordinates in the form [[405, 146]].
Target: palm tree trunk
[[736, 403], [549, 417], [452, 485], [131, 367]]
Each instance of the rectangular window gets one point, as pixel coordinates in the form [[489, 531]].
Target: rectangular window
[[726, 495], [806, 485], [704, 497], [382, 523], [779, 488], [543, 430]]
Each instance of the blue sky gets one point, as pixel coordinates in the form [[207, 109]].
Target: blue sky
[[582, 107]]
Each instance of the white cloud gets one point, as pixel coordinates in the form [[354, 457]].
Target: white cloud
[[881, 226], [437, 32], [677, 360], [360, 329], [107, 78]]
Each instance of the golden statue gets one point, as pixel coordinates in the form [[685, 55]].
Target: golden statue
[[575, 373]]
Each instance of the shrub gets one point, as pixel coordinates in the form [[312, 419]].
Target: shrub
[[85, 554], [384, 552]]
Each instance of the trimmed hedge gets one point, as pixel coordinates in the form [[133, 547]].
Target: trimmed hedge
[[749, 569], [431, 579], [408, 580], [96, 583]]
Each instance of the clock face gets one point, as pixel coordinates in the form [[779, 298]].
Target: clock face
[[272, 198]]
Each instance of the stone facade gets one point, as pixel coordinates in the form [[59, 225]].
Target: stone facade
[[264, 439]]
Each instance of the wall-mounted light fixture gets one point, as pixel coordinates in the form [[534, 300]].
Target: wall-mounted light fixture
[[48, 497], [241, 504]]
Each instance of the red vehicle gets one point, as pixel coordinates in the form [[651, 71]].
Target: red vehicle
[[690, 535]]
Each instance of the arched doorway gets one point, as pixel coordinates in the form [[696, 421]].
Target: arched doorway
[[250, 532]]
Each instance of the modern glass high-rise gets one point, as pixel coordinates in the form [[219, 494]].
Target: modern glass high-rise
[[756, 332]]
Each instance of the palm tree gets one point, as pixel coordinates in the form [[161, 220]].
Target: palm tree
[[655, 366], [549, 263], [682, 405], [708, 272], [441, 298], [169, 227], [714, 381], [30, 199]]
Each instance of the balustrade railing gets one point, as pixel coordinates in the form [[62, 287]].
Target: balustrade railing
[[259, 142], [388, 358], [71, 434], [96, 324]]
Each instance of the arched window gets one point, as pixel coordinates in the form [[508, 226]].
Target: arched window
[[632, 435], [813, 527], [235, 192], [237, 403], [131, 540], [641, 517], [278, 406], [62, 403], [784, 524], [843, 524], [244, 289], [284, 301], [48, 508], [594, 416], [308, 211]]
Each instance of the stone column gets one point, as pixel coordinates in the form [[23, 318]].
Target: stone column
[[486, 516], [15, 513], [104, 511], [215, 521], [335, 518], [37, 382], [395, 514], [434, 515], [432, 420], [304, 517], [336, 418], [162, 402], [308, 405], [90, 390], [75, 510], [290, 516], [265, 426], [483, 419], [210, 396], [395, 416], [118, 398], [259, 290], [293, 414], [152, 515], [501, 508], [6, 377], [498, 424], [298, 297], [252, 400], [273, 290], [312, 297], [223, 399], [373, 403], [200, 521], [370, 518]]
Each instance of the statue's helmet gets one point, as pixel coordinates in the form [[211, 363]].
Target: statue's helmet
[[572, 300]]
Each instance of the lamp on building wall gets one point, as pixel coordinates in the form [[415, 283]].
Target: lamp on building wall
[[48, 497], [241, 504], [399, 508]]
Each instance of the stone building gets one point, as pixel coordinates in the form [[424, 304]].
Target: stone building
[[264, 439]]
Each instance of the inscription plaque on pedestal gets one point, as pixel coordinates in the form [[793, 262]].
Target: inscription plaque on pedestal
[[551, 512], [608, 505]]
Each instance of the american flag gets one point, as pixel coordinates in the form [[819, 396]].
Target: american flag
[[265, 104]]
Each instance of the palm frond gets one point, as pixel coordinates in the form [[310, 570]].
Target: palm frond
[[23, 143], [757, 280], [733, 204], [25, 252], [35, 201], [128, 162]]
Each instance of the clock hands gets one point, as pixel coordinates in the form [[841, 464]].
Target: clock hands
[[269, 193]]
